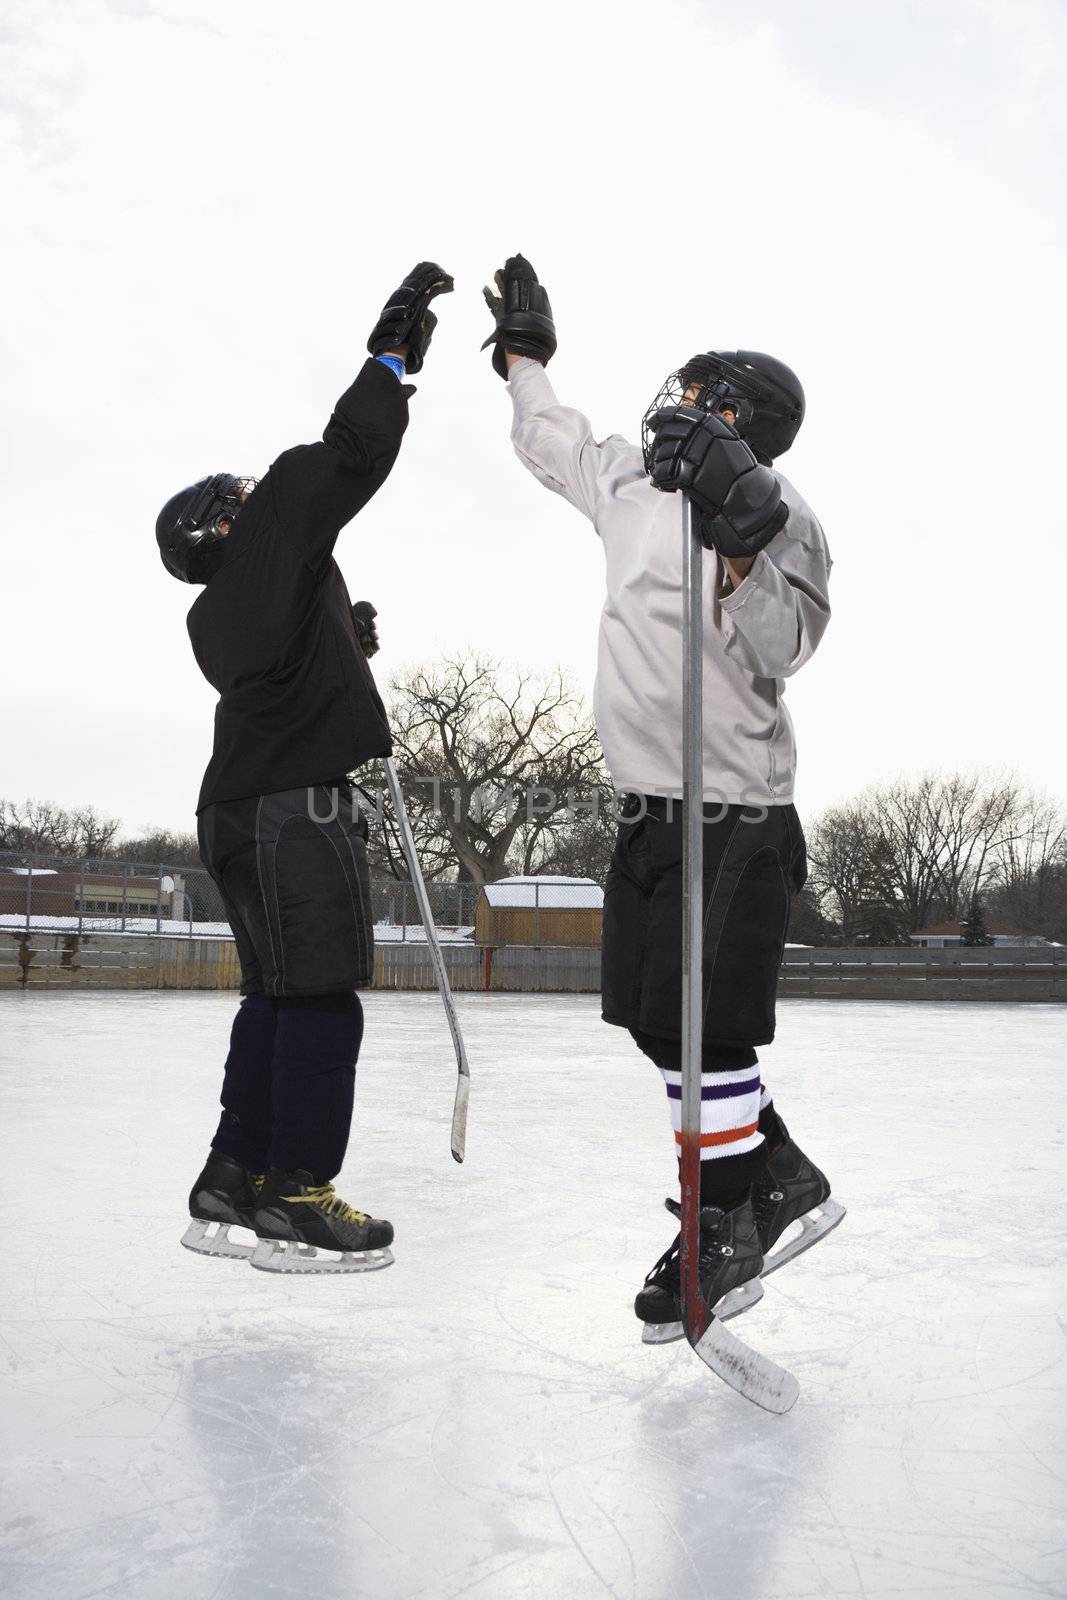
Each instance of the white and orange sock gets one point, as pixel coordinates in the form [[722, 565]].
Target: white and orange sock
[[729, 1111]]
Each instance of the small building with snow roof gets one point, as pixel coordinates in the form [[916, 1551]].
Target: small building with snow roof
[[543, 910]]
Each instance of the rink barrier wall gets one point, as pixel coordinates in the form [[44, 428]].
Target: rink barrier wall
[[505, 969], [42, 960], [1021, 972], [67, 960]]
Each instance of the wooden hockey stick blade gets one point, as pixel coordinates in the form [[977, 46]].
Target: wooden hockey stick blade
[[459, 1116], [754, 1376]]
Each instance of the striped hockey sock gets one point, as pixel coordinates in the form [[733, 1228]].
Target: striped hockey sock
[[733, 1153], [772, 1129], [729, 1111]]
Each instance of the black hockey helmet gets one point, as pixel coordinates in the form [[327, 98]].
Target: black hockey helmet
[[764, 394], [189, 531]]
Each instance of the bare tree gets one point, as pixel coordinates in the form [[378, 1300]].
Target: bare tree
[[33, 825], [1028, 878], [839, 852], [972, 818], [580, 846], [916, 849], [91, 834], [156, 845], [491, 763], [904, 815], [39, 827]]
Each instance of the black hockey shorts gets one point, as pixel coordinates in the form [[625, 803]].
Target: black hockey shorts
[[292, 871], [754, 862]]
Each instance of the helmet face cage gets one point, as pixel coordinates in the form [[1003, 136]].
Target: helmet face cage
[[186, 544], [219, 500], [670, 395], [722, 385]]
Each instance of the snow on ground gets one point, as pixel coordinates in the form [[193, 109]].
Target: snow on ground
[[384, 932], [481, 1420]]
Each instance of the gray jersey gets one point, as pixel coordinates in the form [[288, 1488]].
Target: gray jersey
[[754, 636]]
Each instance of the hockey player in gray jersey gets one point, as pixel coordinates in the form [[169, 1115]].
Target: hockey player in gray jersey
[[713, 431]]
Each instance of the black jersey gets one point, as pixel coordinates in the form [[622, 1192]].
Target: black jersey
[[272, 630]]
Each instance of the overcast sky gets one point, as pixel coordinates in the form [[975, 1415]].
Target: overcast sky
[[206, 205]]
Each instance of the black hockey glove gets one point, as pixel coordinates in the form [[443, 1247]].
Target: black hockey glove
[[523, 315], [406, 317], [363, 615], [740, 501]]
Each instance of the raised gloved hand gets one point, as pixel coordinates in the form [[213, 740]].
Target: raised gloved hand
[[523, 315], [739, 501], [363, 615], [406, 317]]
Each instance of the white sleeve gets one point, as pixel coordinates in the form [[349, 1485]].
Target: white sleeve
[[774, 620], [556, 443]]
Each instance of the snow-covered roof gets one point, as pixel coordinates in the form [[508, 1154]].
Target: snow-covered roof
[[548, 893]]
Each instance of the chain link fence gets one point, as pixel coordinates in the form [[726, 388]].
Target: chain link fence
[[57, 894], [395, 911], [61, 895]]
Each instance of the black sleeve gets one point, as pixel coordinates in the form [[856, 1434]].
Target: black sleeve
[[319, 487]]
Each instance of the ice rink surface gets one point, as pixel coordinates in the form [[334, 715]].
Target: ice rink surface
[[481, 1419]]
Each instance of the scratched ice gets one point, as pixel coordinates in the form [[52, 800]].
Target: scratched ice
[[481, 1420]]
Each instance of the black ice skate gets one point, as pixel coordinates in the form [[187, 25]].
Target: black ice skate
[[792, 1189], [295, 1219], [730, 1262], [223, 1197]]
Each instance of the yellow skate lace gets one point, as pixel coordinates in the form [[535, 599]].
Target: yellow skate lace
[[329, 1203]]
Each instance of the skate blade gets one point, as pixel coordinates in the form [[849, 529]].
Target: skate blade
[[815, 1225], [286, 1255], [743, 1298], [217, 1243]]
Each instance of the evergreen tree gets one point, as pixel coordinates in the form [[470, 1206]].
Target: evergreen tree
[[973, 926], [809, 925], [880, 916]]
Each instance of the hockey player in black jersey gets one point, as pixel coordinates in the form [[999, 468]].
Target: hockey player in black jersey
[[273, 631]]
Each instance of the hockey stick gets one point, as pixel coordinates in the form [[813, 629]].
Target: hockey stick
[[407, 842], [751, 1374]]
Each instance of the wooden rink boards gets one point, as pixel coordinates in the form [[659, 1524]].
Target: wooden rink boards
[[42, 959]]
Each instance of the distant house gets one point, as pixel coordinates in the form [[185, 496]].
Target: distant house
[[51, 894], [541, 910], [948, 935]]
